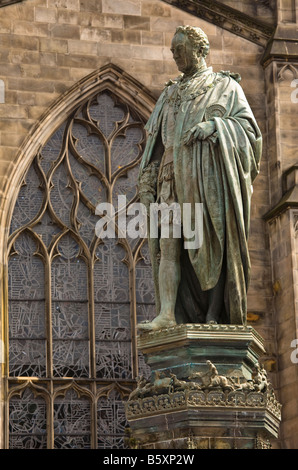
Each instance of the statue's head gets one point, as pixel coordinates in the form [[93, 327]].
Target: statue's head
[[189, 45]]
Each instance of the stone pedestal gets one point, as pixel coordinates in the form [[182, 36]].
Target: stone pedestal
[[207, 390]]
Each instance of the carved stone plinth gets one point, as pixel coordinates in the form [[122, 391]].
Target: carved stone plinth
[[186, 348], [207, 390]]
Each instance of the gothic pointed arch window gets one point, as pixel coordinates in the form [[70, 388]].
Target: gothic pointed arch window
[[75, 298]]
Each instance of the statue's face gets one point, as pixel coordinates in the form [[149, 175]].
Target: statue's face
[[183, 53]]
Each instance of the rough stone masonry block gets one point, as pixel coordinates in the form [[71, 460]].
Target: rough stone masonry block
[[67, 4], [45, 15], [127, 7], [137, 22], [91, 5]]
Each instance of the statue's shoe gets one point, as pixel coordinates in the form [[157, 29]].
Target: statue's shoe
[[156, 324]]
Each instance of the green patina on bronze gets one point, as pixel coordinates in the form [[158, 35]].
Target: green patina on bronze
[[216, 148]]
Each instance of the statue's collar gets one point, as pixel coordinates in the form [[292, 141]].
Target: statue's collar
[[202, 70]]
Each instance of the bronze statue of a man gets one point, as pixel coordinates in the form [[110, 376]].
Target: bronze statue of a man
[[204, 146]]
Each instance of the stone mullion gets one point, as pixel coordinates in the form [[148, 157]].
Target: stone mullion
[[4, 366], [91, 319], [133, 317], [48, 316], [49, 346], [294, 241], [93, 412]]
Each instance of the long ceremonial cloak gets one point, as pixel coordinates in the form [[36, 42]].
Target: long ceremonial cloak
[[218, 173]]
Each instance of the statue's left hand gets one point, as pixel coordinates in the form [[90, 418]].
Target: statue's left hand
[[201, 131]]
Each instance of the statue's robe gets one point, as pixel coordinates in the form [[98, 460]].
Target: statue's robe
[[219, 173]]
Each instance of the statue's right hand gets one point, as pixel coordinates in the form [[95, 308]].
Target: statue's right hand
[[199, 132]]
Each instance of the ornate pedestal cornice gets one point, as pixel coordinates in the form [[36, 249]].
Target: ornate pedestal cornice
[[184, 334], [227, 18], [211, 400]]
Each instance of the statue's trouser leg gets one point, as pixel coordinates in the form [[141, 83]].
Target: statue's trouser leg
[[169, 275], [216, 300]]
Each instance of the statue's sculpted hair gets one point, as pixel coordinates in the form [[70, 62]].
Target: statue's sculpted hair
[[197, 37]]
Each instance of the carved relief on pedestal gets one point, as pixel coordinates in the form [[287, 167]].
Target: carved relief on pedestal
[[201, 389]]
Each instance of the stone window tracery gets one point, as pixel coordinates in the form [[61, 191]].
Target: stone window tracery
[[74, 299]]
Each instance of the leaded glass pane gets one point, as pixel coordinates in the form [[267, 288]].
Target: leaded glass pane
[[145, 298], [90, 185], [87, 221], [26, 270], [51, 150], [106, 113], [46, 228], [72, 422], [70, 358], [69, 272], [89, 146], [29, 201], [126, 148], [64, 281], [70, 311], [111, 279], [144, 279], [125, 186], [113, 359], [62, 194], [112, 321], [27, 358], [27, 422], [27, 345], [111, 421]]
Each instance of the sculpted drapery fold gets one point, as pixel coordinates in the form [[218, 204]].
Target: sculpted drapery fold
[[219, 172]]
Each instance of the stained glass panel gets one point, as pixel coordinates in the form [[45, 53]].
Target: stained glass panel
[[29, 202], [113, 360], [70, 311], [111, 279], [64, 282], [89, 146], [27, 422], [72, 422], [111, 421], [144, 278], [106, 113], [27, 335], [62, 194], [46, 228], [51, 150]]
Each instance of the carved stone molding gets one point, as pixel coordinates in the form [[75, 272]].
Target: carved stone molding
[[266, 3], [196, 331], [285, 68], [227, 18], [295, 224], [177, 401], [4, 3]]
